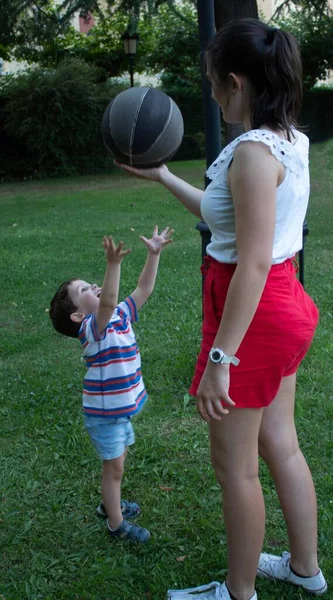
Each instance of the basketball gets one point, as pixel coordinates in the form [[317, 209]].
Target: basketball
[[142, 127]]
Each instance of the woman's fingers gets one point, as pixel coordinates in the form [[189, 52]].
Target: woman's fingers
[[212, 409]]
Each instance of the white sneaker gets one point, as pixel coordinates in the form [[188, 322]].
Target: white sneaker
[[277, 567], [203, 592], [212, 591]]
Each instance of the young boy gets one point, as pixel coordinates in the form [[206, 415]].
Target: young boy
[[113, 388]]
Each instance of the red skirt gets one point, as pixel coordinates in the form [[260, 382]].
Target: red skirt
[[276, 341]]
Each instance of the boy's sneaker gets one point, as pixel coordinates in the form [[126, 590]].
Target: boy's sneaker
[[128, 531], [212, 591], [129, 510], [277, 567]]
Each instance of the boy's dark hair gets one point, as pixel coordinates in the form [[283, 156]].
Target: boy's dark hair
[[61, 309], [270, 59]]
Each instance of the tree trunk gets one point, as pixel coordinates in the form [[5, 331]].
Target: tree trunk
[[229, 10], [225, 11]]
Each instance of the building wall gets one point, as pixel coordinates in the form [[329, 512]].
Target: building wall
[[268, 7]]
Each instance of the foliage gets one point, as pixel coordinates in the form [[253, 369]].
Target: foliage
[[51, 121], [39, 24], [314, 34], [175, 56], [27, 21], [317, 113], [316, 7], [55, 548], [102, 47]]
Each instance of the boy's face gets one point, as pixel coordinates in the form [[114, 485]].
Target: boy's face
[[85, 296]]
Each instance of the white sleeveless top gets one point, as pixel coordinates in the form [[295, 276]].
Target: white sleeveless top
[[292, 197]]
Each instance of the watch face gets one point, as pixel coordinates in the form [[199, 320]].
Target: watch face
[[216, 355]]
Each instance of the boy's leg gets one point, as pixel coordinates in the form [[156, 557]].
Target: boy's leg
[[111, 489]]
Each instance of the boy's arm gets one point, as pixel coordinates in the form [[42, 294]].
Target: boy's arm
[[147, 278], [108, 299]]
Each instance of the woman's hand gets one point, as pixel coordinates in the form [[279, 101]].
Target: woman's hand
[[214, 388], [154, 174]]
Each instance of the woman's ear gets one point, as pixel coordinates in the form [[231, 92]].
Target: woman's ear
[[235, 82]]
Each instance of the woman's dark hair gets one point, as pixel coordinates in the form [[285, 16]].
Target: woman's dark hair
[[61, 309], [270, 59]]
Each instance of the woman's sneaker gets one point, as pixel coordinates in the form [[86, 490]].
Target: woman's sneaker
[[212, 591], [128, 531], [277, 567], [129, 510]]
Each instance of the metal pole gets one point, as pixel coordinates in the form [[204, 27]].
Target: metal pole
[[130, 58], [301, 253], [212, 118]]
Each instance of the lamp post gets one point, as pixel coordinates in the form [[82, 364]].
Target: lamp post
[[130, 44]]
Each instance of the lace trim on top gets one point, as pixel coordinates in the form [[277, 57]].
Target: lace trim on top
[[284, 151]]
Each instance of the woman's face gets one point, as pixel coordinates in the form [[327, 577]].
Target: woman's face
[[232, 97]]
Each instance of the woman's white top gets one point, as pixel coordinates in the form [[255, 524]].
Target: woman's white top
[[292, 197]]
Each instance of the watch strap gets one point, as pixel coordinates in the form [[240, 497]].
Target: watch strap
[[226, 360]]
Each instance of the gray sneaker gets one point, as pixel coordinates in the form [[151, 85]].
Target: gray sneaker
[[132, 533], [277, 567]]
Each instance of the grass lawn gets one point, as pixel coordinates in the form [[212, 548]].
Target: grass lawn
[[53, 545]]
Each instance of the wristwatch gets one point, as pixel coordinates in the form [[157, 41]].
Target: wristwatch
[[218, 357]]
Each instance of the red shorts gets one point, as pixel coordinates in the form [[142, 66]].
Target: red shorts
[[276, 341]]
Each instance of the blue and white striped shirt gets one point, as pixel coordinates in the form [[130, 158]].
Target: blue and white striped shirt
[[113, 385]]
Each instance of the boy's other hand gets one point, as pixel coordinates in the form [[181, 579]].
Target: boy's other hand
[[159, 240], [114, 254]]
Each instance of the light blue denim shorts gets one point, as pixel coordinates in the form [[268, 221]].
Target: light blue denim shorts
[[110, 436]]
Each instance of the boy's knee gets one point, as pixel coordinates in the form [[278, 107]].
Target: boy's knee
[[113, 468]]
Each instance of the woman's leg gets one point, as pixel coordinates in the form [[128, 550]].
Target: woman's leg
[[234, 452], [278, 446], [113, 471]]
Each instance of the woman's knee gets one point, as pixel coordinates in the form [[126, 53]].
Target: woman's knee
[[275, 449], [230, 473]]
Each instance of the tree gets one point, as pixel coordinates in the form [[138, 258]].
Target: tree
[[38, 20], [312, 25], [315, 7], [102, 46], [228, 10]]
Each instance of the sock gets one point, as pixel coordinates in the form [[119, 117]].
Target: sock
[[230, 594], [110, 528], [301, 576]]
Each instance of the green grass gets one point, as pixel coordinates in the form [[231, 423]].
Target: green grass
[[53, 546]]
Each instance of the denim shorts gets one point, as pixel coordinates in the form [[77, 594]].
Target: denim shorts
[[110, 436]]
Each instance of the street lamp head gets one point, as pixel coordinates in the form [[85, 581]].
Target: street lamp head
[[130, 43]]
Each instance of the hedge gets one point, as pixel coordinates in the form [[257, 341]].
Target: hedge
[[50, 121]]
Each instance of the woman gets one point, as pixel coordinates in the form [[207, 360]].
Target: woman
[[258, 321]]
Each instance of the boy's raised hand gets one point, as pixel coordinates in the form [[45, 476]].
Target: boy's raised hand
[[159, 240], [114, 254]]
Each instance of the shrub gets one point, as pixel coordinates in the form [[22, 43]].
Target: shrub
[[50, 121], [317, 114]]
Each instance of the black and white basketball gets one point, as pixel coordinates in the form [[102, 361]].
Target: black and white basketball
[[142, 127]]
